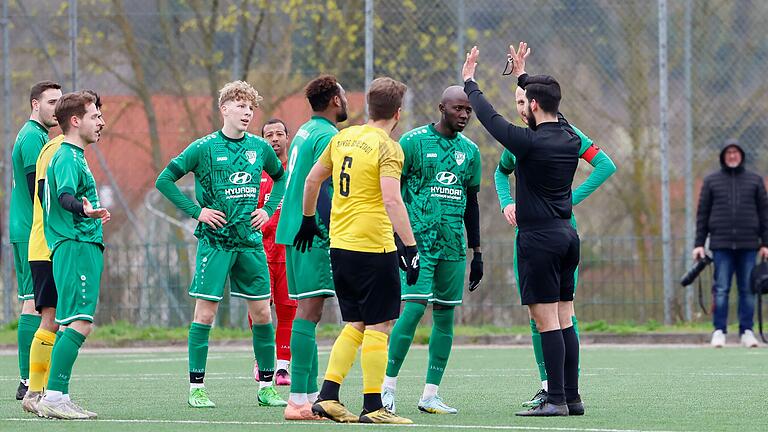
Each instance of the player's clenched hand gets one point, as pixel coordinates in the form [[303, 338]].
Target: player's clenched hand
[[410, 260], [258, 218], [510, 215], [213, 218], [307, 232], [475, 271], [93, 213], [468, 70]]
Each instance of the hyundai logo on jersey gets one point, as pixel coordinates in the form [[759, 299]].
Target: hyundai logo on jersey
[[446, 178], [239, 178]]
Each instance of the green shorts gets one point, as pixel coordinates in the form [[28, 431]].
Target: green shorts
[[440, 282], [309, 273], [25, 290], [77, 272], [247, 271]]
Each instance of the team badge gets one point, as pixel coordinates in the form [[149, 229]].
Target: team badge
[[460, 157], [251, 155]]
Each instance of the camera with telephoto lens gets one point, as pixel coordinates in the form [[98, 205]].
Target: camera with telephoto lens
[[694, 272]]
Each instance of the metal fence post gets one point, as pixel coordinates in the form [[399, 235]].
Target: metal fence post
[[664, 154], [461, 16], [73, 41], [368, 47], [7, 178], [689, 210]]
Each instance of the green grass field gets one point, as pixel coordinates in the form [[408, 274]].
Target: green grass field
[[624, 389]]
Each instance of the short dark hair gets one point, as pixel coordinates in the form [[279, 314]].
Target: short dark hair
[[96, 95], [38, 88], [72, 104], [545, 90], [321, 90], [274, 121], [385, 97]]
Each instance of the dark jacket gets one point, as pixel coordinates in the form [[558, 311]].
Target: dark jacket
[[733, 208]]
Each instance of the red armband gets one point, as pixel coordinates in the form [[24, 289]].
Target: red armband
[[590, 153]]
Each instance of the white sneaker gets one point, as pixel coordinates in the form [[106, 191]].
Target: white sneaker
[[748, 339], [718, 339]]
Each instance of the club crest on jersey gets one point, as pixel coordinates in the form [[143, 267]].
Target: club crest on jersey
[[460, 157], [251, 155]]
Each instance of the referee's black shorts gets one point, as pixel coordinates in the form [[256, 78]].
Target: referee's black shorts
[[367, 285], [547, 257], [44, 287]]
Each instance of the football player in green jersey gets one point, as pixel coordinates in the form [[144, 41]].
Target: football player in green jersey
[[309, 274], [603, 168], [30, 140], [227, 165], [72, 222], [441, 178]]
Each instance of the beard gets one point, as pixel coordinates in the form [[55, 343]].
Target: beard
[[342, 115], [531, 119]]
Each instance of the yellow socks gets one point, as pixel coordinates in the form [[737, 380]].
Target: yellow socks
[[40, 359], [374, 360], [343, 354]]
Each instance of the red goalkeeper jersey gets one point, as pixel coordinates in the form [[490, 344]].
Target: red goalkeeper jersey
[[275, 252]]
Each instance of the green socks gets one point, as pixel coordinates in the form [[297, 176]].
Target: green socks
[[402, 336], [264, 350], [303, 357], [63, 358], [312, 378], [440, 343], [575, 325], [538, 352], [28, 325], [197, 344]]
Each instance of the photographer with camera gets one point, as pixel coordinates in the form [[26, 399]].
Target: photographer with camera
[[733, 211]]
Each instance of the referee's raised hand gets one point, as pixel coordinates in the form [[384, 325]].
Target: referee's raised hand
[[517, 58]]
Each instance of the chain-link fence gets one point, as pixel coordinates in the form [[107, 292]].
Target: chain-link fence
[[159, 63]]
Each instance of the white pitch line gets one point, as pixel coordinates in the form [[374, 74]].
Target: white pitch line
[[257, 423]]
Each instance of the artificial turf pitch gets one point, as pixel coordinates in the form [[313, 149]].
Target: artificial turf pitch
[[624, 389]]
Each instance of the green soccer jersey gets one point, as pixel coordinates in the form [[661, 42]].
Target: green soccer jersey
[[309, 143], [68, 172], [438, 171], [227, 178], [31, 138]]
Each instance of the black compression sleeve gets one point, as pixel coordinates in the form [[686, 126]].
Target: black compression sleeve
[[31, 185], [41, 191], [472, 220], [71, 204], [514, 138]]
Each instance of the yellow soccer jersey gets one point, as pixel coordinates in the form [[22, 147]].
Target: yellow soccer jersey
[[359, 156], [38, 248]]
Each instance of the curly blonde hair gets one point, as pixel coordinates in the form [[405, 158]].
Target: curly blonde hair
[[239, 90]]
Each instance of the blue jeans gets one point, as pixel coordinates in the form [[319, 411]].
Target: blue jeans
[[728, 262]]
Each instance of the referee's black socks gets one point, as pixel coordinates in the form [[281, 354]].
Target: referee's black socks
[[553, 346], [571, 383]]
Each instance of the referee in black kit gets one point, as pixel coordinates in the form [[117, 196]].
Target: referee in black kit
[[547, 154]]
